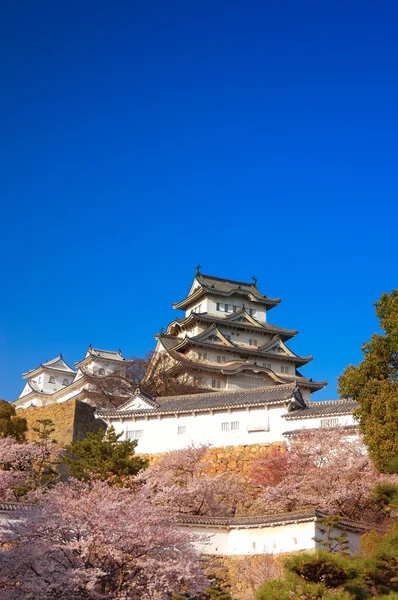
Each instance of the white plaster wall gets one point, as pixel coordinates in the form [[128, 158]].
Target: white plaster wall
[[272, 540], [353, 537], [292, 537], [257, 540], [256, 426], [212, 301], [316, 422], [210, 540]]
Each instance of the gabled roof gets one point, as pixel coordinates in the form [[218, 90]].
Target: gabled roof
[[232, 367], [208, 284], [139, 394], [274, 394], [248, 325], [200, 341], [56, 364], [96, 353], [323, 408]]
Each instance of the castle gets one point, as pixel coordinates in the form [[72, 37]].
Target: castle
[[251, 391], [55, 381]]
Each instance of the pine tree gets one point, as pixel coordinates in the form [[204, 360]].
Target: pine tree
[[374, 384], [102, 456]]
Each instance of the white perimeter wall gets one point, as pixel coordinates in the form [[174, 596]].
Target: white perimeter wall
[[292, 537]]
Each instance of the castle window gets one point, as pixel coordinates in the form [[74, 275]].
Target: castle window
[[234, 425], [65, 382], [235, 308], [181, 430], [284, 369], [202, 356], [101, 371], [329, 423], [267, 365], [136, 434], [225, 426], [219, 307], [252, 312], [252, 342], [216, 383], [51, 379]]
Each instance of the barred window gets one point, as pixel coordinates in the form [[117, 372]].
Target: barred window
[[182, 430], [136, 434], [225, 426], [234, 425], [325, 423]]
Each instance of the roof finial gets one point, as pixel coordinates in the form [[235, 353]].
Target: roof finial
[[254, 281], [197, 270], [161, 331], [90, 345]]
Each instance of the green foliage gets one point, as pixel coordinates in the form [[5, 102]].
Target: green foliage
[[209, 593], [102, 456], [386, 493], [327, 575], [10, 424], [328, 541], [294, 588], [324, 567], [374, 384]]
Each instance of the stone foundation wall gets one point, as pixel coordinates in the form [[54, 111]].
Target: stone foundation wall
[[243, 575], [235, 459], [72, 420]]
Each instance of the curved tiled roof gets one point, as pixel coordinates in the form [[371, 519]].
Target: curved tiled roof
[[197, 341], [274, 394], [285, 334], [270, 520], [55, 364], [208, 284], [324, 408]]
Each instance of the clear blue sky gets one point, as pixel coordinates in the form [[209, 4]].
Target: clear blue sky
[[141, 138]]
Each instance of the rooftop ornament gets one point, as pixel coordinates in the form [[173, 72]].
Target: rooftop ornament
[[197, 270]]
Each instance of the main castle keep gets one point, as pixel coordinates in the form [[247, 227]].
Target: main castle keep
[[225, 341]]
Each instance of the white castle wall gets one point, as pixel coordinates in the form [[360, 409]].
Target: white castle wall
[[255, 426], [292, 537]]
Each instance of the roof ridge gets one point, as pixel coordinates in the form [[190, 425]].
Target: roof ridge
[[103, 350], [316, 403], [227, 280]]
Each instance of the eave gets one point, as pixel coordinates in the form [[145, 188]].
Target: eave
[[297, 360], [202, 292]]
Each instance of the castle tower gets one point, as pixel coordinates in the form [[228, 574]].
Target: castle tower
[[226, 342]]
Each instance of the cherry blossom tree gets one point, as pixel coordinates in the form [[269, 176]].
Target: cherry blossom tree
[[26, 467], [180, 482], [322, 468], [94, 541]]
